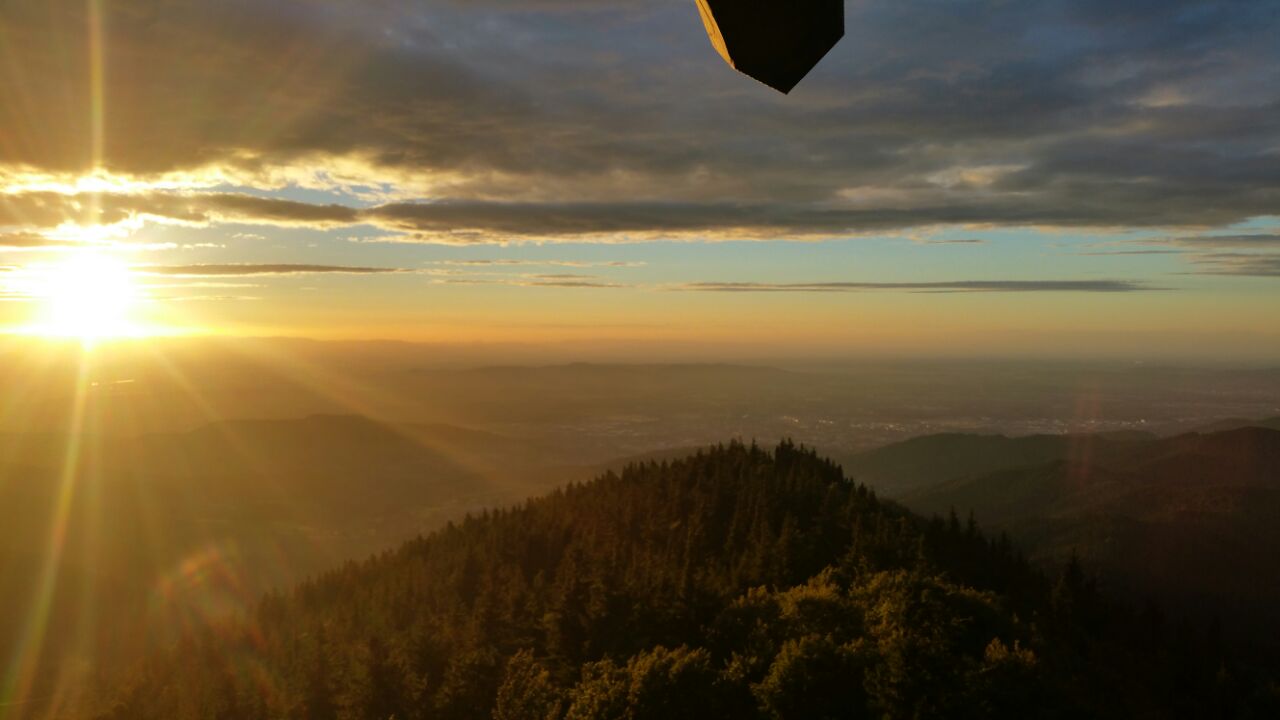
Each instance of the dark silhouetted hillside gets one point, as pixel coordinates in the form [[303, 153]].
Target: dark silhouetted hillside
[[1191, 520], [919, 463]]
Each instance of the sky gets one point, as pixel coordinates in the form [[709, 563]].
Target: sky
[[956, 177]]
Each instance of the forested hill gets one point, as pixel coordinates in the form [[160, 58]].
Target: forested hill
[[737, 583]]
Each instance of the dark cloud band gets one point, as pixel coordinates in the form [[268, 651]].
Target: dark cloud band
[[475, 222]]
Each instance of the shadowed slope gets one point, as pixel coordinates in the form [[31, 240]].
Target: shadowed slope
[[902, 468], [1190, 519]]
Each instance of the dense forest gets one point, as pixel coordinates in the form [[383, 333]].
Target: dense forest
[[736, 583]]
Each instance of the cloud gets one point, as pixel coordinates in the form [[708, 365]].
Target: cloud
[[32, 241], [958, 286], [248, 269], [481, 222], [477, 222], [537, 282], [463, 222], [1105, 253], [1239, 255], [615, 120], [204, 208], [587, 284], [1259, 241], [568, 280], [508, 262], [1237, 264], [207, 298], [44, 210]]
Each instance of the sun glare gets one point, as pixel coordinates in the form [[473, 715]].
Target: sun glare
[[90, 296]]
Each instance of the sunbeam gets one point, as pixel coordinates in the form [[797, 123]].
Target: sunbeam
[[24, 667]]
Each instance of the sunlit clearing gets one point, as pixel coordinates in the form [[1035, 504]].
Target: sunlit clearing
[[89, 296]]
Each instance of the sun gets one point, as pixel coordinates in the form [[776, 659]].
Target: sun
[[90, 296]]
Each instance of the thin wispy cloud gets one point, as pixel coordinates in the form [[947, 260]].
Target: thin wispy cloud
[[507, 262], [1107, 253], [1260, 241], [1239, 255], [247, 269], [561, 276], [958, 286], [33, 241], [537, 282], [587, 284], [1237, 264], [206, 298]]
